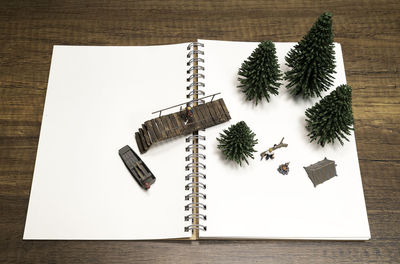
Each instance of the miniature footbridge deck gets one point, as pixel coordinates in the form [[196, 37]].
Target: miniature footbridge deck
[[173, 125]]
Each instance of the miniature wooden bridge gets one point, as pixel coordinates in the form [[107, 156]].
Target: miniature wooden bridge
[[172, 125]]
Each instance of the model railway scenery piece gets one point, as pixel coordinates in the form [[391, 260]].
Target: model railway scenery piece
[[184, 122], [284, 168], [137, 167], [259, 75], [331, 118], [314, 54], [321, 171], [237, 143], [269, 154]]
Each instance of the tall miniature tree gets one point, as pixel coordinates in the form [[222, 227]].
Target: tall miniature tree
[[237, 143], [259, 75], [331, 118], [312, 60]]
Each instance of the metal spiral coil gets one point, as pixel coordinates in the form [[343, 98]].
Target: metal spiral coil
[[195, 75], [192, 52], [195, 44], [195, 136], [195, 146], [199, 216], [195, 175], [195, 155], [191, 185], [195, 92], [197, 84], [192, 60], [195, 205], [201, 227], [196, 188], [193, 68], [195, 194], [195, 165]]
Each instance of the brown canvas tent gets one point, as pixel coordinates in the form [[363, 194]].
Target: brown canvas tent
[[321, 171]]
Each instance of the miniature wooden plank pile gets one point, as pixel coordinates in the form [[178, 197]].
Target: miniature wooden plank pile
[[173, 125]]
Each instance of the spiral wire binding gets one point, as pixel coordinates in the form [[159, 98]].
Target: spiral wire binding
[[197, 84], [195, 136], [195, 155], [197, 67], [196, 194], [195, 146], [198, 216], [195, 175]]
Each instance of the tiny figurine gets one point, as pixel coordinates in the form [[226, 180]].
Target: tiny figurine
[[188, 114], [269, 154], [137, 167], [284, 168], [259, 75], [237, 143], [321, 171]]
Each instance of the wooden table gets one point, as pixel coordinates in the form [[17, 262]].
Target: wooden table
[[368, 31]]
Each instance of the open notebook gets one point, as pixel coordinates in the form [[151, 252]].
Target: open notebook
[[97, 97]]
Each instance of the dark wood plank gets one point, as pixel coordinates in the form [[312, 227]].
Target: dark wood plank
[[156, 130], [143, 140], [161, 128], [180, 122], [198, 113], [151, 131], [369, 35], [195, 119], [225, 109], [146, 135], [213, 113], [171, 128], [206, 115], [219, 110], [165, 125], [139, 143], [175, 125]]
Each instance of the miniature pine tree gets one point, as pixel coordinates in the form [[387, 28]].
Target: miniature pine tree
[[260, 73], [237, 142], [312, 60], [332, 117]]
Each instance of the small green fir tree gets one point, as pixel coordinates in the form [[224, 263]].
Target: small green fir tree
[[237, 142], [331, 118], [312, 60], [260, 73]]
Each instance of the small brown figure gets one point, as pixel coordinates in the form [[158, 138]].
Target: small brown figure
[[284, 168], [269, 154]]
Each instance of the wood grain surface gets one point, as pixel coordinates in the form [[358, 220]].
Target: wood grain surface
[[368, 30]]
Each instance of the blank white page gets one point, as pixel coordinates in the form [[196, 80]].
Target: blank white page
[[255, 201], [97, 98]]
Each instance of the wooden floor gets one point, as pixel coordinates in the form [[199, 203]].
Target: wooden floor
[[368, 30], [173, 125]]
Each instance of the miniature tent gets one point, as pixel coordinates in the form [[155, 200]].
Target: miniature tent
[[321, 171]]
